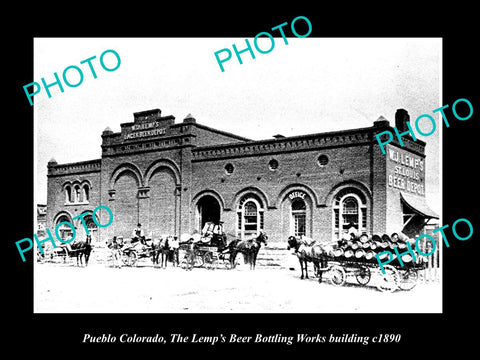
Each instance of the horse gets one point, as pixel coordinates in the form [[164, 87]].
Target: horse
[[160, 247], [308, 252], [82, 249], [249, 249]]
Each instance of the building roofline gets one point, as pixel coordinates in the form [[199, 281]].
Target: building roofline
[[306, 136], [226, 133], [83, 162]]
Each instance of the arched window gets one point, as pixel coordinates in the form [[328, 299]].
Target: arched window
[[299, 216], [349, 210], [249, 216], [78, 194], [68, 194], [86, 193]]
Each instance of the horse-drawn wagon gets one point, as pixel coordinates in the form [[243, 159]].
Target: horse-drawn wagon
[[357, 258], [211, 250], [207, 249], [79, 249], [132, 250]]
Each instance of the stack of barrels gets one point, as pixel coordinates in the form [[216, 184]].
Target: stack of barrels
[[364, 248]]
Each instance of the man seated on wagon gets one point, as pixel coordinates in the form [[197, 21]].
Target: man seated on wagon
[[138, 235]]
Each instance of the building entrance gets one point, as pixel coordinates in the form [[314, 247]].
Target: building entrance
[[208, 210]]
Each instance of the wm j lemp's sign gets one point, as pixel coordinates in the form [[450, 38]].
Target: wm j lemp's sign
[[406, 171], [147, 129]]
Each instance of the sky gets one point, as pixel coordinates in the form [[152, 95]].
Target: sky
[[311, 85]]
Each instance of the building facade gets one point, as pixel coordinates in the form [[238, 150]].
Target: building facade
[[173, 177]]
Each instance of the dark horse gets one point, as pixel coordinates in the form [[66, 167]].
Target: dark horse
[[308, 253], [160, 247], [82, 249], [249, 249]]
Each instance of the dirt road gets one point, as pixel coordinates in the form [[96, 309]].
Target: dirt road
[[103, 289]]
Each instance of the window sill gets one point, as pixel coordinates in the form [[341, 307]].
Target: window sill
[[77, 203]]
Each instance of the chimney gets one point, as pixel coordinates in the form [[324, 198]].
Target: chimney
[[401, 118]]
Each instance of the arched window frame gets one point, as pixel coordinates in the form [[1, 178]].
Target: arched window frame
[[86, 193], [68, 194], [338, 213], [77, 194], [64, 230], [298, 218], [241, 216]]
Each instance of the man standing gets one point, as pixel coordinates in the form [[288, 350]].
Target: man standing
[[174, 245]]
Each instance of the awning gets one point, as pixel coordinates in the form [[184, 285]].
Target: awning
[[418, 205]]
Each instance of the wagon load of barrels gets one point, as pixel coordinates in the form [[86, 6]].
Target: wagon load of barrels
[[364, 248]]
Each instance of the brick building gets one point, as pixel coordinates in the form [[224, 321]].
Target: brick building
[[173, 177]]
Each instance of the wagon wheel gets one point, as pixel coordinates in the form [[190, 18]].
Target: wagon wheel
[[209, 260], [188, 261], [198, 260], [363, 275], [408, 279], [226, 262], [129, 258], [126, 258], [389, 281], [133, 258], [185, 264], [62, 252], [337, 275]]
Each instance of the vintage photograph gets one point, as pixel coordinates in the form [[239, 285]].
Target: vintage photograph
[[166, 185]]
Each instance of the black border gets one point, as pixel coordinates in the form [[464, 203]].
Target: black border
[[426, 333]]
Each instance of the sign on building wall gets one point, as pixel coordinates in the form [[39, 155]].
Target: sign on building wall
[[147, 129], [405, 171]]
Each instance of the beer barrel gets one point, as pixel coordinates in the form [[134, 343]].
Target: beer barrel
[[338, 252], [386, 242], [355, 245], [377, 240], [363, 238], [407, 258], [360, 253], [370, 255], [348, 253], [372, 244], [382, 256]]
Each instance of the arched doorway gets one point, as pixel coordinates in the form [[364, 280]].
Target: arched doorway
[[91, 226], [296, 210], [299, 217], [126, 203], [208, 210], [162, 202], [65, 231]]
